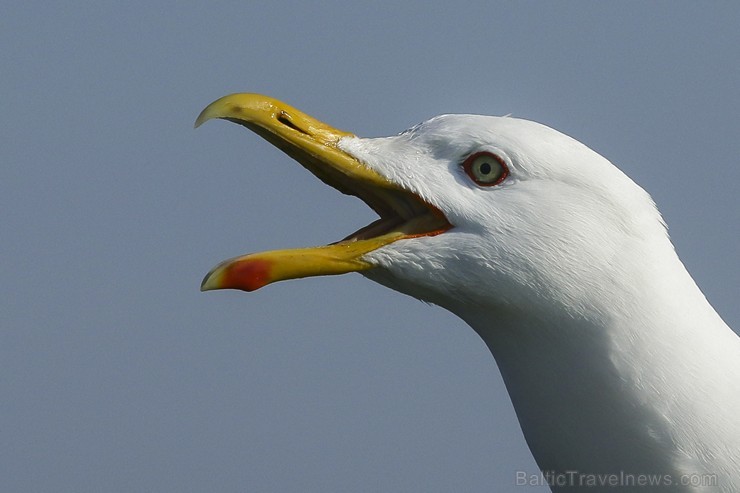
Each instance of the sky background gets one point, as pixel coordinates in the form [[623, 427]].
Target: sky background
[[118, 375]]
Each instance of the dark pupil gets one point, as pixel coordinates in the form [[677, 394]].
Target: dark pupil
[[485, 168]]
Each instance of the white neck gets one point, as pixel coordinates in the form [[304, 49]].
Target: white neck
[[652, 388]]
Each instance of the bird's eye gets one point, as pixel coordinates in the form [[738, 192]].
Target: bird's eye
[[486, 169]]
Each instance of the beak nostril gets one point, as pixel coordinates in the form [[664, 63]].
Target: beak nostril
[[284, 118]]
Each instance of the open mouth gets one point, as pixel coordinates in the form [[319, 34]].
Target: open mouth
[[401, 213], [313, 144]]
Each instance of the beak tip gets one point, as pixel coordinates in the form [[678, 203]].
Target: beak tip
[[210, 282], [224, 106], [202, 118]]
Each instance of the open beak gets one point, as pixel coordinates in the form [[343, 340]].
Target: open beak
[[313, 144]]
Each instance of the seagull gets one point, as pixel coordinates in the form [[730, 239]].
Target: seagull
[[621, 373]]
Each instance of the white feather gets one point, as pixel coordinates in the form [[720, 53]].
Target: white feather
[[614, 360]]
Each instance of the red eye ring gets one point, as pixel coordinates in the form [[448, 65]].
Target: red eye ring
[[486, 168]]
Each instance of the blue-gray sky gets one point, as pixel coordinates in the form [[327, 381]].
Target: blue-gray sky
[[118, 375]]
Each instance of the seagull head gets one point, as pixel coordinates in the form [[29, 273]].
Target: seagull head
[[475, 211], [612, 357]]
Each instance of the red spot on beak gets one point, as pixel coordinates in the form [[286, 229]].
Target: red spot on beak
[[247, 274]]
